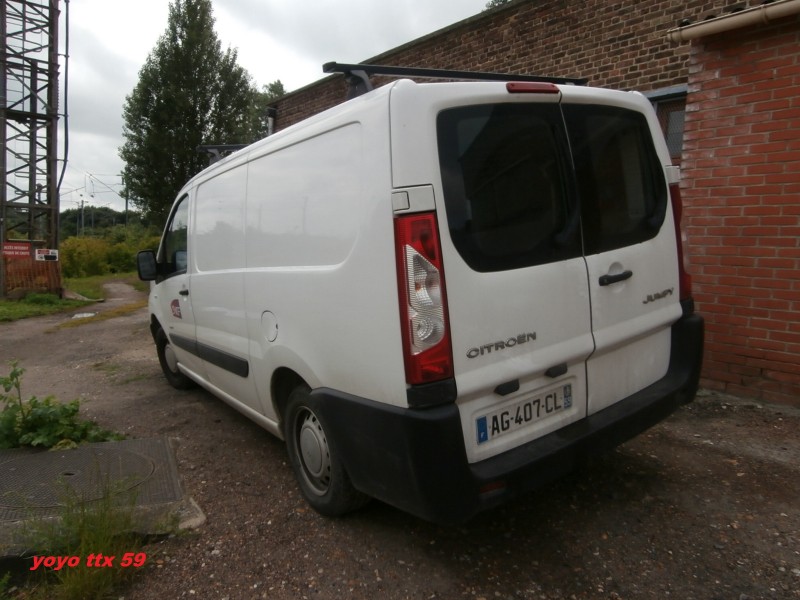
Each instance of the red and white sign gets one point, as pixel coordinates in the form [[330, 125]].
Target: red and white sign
[[17, 249], [46, 254]]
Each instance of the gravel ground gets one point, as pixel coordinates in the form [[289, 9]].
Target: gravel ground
[[704, 506]]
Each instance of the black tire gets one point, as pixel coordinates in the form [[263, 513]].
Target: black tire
[[323, 480], [169, 364]]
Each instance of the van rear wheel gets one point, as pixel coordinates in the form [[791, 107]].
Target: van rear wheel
[[169, 363], [323, 480]]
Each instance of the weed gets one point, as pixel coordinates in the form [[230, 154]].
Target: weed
[[136, 378], [43, 423], [107, 368], [86, 530]]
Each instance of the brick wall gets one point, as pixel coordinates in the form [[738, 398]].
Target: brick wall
[[741, 174], [615, 44]]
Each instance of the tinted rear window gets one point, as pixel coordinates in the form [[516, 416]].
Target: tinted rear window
[[505, 171], [621, 185]]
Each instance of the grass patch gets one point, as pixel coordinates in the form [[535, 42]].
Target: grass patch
[[120, 311], [82, 531], [92, 287], [36, 305], [138, 284]]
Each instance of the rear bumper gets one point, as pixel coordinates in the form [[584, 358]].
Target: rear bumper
[[414, 459]]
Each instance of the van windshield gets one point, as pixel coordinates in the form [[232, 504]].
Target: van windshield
[[505, 172]]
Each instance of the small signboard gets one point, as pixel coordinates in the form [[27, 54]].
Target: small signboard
[[46, 254], [17, 249]]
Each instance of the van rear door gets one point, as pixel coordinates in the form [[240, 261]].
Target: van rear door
[[629, 241], [517, 289]]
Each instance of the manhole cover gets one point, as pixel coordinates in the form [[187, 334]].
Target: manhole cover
[[46, 479]]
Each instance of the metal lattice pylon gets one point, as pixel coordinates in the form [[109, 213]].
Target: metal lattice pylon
[[28, 133]]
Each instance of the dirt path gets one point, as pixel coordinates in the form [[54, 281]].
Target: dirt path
[[704, 506]]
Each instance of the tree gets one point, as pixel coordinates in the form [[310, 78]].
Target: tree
[[267, 95], [189, 93], [96, 221], [496, 3]]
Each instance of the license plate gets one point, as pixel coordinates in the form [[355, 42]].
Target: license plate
[[530, 410]]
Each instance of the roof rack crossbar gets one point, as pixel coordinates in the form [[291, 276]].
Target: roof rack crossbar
[[217, 152], [357, 74]]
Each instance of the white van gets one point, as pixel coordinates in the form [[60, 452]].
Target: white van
[[440, 295]]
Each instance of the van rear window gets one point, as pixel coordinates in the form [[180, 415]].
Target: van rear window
[[506, 181], [623, 194]]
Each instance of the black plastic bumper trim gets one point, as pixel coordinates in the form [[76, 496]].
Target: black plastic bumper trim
[[414, 459], [432, 394]]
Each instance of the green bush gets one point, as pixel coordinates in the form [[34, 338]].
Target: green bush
[[114, 252], [83, 257], [122, 258], [43, 423]]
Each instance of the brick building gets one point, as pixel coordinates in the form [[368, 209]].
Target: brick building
[[741, 157], [741, 192]]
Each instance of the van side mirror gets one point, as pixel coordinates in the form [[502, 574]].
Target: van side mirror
[[146, 265]]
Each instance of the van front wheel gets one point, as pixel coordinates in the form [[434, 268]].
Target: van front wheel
[[323, 480], [169, 364]]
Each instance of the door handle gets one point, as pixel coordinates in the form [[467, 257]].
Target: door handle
[[609, 279], [184, 292]]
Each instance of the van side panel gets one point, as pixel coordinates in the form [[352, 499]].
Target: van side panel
[[320, 290], [301, 200]]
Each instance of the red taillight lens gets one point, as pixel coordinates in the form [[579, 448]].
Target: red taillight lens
[[423, 306], [677, 210], [531, 87]]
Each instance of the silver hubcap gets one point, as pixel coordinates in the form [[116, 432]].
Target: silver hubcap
[[314, 453], [169, 356]]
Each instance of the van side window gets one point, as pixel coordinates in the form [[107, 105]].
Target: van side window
[[506, 184], [174, 256], [621, 184]]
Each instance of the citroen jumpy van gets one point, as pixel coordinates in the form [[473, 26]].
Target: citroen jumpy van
[[440, 295]]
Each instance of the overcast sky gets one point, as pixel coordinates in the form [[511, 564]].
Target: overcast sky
[[277, 39]]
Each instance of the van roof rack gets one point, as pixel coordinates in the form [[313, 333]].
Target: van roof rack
[[357, 76], [217, 152]]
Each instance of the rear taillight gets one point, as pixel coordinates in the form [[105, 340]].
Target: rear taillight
[[677, 209], [423, 305], [531, 87]]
